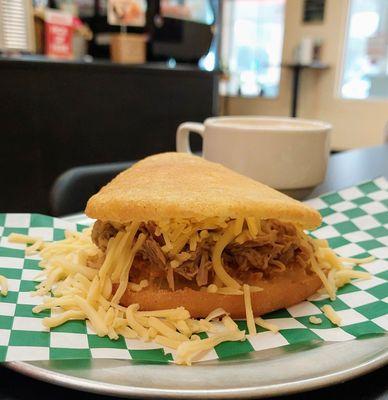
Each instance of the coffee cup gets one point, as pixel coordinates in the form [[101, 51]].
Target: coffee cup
[[284, 153]]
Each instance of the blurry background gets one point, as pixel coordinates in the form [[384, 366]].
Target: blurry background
[[96, 81], [351, 89]]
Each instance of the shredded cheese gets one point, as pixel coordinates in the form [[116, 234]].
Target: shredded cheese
[[175, 314], [188, 350], [329, 287], [224, 240], [110, 255], [127, 332], [331, 314], [142, 320], [230, 291], [346, 275], [133, 323], [36, 243], [183, 328], [249, 311], [229, 324], [217, 313], [252, 226], [22, 239], [124, 277], [3, 285], [52, 322], [212, 288], [92, 315], [152, 333], [137, 287], [266, 325], [168, 342], [357, 260], [33, 249], [81, 292], [255, 289], [238, 226], [165, 330]]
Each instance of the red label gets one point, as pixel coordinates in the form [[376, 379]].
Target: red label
[[59, 35]]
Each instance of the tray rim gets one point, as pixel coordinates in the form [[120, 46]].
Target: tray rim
[[297, 386]]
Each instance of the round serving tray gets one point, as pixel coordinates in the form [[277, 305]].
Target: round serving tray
[[266, 373]]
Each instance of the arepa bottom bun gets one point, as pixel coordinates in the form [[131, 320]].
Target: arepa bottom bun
[[284, 290]]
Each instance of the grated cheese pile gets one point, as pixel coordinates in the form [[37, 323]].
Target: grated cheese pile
[[74, 290]]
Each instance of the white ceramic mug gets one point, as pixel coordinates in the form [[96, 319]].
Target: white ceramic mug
[[285, 153]]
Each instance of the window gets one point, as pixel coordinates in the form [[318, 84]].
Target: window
[[252, 42], [365, 68]]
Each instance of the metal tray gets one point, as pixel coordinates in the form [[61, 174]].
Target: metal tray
[[267, 373]]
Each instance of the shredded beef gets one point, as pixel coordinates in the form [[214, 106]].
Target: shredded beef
[[102, 232], [189, 269], [269, 253], [202, 276], [151, 251]]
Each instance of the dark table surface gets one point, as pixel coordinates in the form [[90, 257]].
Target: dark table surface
[[352, 167], [349, 168], [345, 169]]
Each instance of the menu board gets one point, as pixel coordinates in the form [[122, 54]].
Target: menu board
[[127, 12], [191, 10], [314, 10]]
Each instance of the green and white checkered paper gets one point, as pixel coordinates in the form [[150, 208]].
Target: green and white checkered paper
[[355, 224]]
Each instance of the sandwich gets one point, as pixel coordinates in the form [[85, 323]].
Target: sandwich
[[181, 246], [176, 230]]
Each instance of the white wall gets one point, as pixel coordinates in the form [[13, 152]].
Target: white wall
[[356, 123]]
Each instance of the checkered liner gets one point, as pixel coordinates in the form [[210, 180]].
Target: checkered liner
[[355, 224]]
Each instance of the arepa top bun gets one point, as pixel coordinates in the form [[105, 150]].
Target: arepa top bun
[[179, 185]]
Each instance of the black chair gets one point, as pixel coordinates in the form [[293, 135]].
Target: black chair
[[72, 189]]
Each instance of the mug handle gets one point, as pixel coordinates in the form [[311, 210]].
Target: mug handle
[[183, 134]]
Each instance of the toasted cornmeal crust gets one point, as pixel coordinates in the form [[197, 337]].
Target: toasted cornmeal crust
[[178, 185], [286, 290]]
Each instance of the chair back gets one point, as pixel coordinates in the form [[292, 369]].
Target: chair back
[[72, 189]]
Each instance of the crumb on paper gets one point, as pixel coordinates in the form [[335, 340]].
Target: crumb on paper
[[315, 320]]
